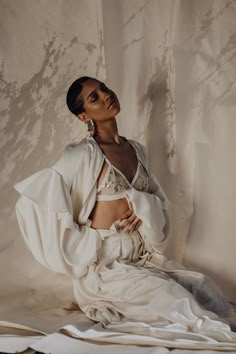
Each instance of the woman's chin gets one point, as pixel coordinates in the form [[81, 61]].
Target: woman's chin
[[116, 110]]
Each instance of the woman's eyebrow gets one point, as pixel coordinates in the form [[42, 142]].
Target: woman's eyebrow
[[94, 91]]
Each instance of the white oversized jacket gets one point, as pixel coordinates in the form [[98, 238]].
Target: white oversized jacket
[[53, 211], [56, 202]]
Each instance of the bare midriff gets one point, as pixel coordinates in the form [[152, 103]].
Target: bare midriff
[[106, 212]]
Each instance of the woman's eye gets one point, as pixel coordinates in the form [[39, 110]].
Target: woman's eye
[[94, 98]]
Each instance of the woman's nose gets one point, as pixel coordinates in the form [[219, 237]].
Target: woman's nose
[[107, 95]]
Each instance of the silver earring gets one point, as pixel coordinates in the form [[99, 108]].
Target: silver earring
[[91, 127]]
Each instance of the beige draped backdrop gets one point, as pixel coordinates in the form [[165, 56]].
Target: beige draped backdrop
[[173, 65]]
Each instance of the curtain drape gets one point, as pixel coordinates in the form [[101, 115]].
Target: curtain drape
[[172, 64]]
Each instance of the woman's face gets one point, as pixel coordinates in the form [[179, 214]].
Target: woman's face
[[100, 103]]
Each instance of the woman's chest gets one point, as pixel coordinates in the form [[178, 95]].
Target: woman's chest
[[123, 158]]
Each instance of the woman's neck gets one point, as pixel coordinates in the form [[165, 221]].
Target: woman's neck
[[107, 133]]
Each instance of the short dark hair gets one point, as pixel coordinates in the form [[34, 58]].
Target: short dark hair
[[73, 100]]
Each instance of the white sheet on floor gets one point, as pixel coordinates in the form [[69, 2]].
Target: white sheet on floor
[[82, 333]]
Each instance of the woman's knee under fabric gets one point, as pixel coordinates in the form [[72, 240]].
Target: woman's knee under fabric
[[146, 294], [204, 290], [152, 300]]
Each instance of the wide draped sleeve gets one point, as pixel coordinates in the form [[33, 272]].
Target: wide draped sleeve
[[153, 209], [45, 216]]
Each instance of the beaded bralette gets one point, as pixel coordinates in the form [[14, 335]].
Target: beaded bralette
[[114, 183]]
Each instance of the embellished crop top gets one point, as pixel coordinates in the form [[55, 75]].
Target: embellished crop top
[[114, 183]]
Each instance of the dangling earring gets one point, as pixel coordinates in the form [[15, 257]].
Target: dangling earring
[[91, 127]]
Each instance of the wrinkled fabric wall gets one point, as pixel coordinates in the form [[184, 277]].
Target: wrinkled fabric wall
[[45, 45], [172, 64]]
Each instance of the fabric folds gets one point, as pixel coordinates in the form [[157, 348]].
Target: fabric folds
[[124, 281], [45, 217], [155, 223]]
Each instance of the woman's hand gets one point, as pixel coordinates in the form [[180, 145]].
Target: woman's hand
[[131, 223]]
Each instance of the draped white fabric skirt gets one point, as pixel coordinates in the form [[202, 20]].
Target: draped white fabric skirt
[[128, 289], [119, 279]]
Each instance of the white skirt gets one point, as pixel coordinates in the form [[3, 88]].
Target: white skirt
[[132, 290], [119, 279]]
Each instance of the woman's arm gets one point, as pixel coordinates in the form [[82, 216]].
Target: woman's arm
[[152, 209], [45, 216]]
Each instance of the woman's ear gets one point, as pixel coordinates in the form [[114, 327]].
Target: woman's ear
[[83, 117]]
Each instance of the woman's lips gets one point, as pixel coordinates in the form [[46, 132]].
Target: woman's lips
[[111, 104]]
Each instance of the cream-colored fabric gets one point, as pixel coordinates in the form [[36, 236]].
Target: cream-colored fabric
[[172, 66], [53, 226], [123, 281]]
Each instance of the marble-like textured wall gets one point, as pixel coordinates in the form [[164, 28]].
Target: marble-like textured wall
[[172, 64], [45, 45]]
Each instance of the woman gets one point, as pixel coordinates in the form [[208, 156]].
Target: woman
[[99, 215]]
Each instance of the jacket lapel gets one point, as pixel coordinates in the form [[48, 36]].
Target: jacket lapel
[[94, 160]]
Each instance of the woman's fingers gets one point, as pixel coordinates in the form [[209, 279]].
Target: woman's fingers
[[126, 214], [137, 225], [133, 225], [128, 220]]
